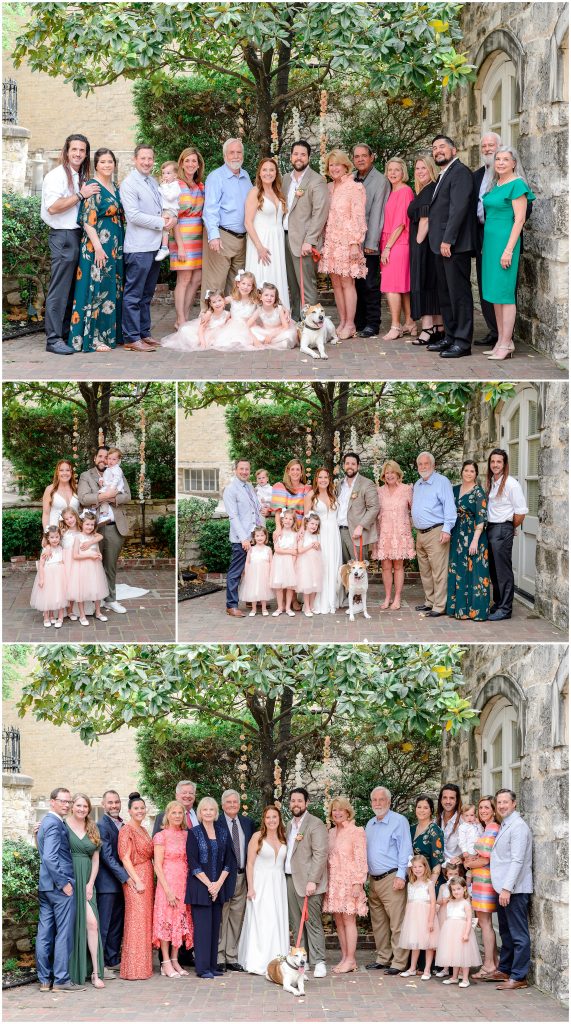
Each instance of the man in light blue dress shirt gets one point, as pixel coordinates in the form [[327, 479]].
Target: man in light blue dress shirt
[[141, 201], [224, 241], [433, 517], [243, 508], [389, 847]]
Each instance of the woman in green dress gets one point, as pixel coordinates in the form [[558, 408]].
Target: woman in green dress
[[98, 296], [468, 569], [505, 207], [428, 838], [87, 952]]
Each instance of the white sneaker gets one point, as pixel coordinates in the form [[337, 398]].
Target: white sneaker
[[320, 970], [116, 607], [162, 254]]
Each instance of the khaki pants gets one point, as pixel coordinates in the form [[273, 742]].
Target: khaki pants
[[313, 936], [220, 268], [232, 919], [433, 564], [387, 907]]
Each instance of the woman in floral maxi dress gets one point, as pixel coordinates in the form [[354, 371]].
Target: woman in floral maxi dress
[[468, 568]]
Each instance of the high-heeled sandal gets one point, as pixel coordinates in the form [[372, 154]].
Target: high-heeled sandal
[[410, 330], [394, 333], [429, 335], [96, 982], [179, 970], [502, 352], [164, 973], [346, 332]]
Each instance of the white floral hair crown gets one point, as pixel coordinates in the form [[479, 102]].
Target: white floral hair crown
[[88, 512], [239, 275], [207, 294]]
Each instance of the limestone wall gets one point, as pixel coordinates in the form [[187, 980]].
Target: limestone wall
[[17, 815], [203, 441], [14, 158], [531, 675], [532, 36]]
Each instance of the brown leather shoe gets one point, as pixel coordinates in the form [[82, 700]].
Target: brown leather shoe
[[152, 342], [511, 983], [235, 613], [138, 346], [497, 976]]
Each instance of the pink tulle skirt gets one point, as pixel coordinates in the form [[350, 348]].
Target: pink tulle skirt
[[309, 572], [283, 575], [451, 951], [87, 580], [52, 596], [255, 585], [414, 933]]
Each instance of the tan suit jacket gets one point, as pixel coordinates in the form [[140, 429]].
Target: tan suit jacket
[[88, 494], [363, 508], [309, 855], [308, 214]]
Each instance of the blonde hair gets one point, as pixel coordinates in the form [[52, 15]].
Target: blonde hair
[[344, 804], [429, 163], [169, 163], [202, 803], [287, 479], [388, 465], [198, 176], [255, 295], [90, 827], [426, 876], [290, 512], [115, 451], [63, 527], [398, 160], [168, 809], [337, 156]]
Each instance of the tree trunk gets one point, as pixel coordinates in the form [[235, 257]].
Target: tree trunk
[[325, 394], [90, 395]]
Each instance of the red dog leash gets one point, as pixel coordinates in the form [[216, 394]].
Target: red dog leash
[[360, 558], [316, 256], [304, 917]]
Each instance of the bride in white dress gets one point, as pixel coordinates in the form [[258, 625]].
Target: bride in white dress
[[61, 493], [322, 500], [264, 213], [265, 932]]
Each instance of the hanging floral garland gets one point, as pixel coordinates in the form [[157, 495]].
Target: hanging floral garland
[[298, 769], [274, 134], [295, 123], [336, 452], [327, 779], [278, 789], [243, 771], [240, 113], [353, 438], [100, 437], [308, 450], [75, 439], [322, 131], [377, 445], [143, 469]]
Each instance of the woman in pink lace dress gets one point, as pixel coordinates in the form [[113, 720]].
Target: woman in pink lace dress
[[395, 250], [343, 257], [172, 922], [346, 875], [394, 533]]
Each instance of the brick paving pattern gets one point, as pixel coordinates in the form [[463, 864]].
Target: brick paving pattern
[[356, 359], [150, 618], [363, 996], [204, 618]]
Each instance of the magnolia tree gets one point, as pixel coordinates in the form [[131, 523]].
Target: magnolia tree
[[273, 53], [278, 695]]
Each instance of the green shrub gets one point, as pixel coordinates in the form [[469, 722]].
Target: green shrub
[[25, 249], [21, 532], [20, 875], [214, 544], [164, 530]]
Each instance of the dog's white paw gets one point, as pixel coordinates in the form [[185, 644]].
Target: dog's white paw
[[366, 614], [352, 618], [324, 356]]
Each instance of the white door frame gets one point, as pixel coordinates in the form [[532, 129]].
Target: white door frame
[[525, 540]]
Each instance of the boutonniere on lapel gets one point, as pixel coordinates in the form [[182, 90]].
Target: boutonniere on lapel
[[299, 192], [299, 837], [354, 494]]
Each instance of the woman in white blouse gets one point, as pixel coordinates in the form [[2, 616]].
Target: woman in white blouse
[[506, 511]]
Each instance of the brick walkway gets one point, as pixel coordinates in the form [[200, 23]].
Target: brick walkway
[[204, 618], [363, 996], [149, 618], [357, 359]]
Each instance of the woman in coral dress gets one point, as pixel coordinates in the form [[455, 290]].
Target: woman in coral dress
[[395, 250], [346, 875], [135, 849], [343, 257], [172, 922], [394, 533]]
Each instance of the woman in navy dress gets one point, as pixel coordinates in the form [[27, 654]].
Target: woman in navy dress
[[207, 849]]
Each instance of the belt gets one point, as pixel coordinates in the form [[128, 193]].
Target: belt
[[343, 527], [241, 871], [429, 528], [237, 234], [377, 878], [502, 522]]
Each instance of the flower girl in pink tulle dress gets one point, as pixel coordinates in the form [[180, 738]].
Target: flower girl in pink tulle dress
[[201, 333], [309, 562], [49, 589], [255, 585], [273, 326], [420, 925], [70, 529], [283, 577], [457, 944], [87, 580]]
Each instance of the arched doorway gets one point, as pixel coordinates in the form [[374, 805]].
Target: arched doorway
[[501, 749], [500, 111], [519, 433]]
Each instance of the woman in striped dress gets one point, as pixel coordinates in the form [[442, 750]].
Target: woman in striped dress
[[484, 897], [191, 201], [291, 493]]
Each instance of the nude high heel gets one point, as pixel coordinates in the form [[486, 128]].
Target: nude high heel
[[395, 332], [164, 973]]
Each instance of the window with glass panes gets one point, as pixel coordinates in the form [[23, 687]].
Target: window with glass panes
[[201, 481]]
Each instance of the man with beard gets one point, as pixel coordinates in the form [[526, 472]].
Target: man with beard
[[368, 314], [451, 239], [109, 883], [482, 182], [357, 509], [114, 529], [306, 875], [224, 244], [307, 209], [433, 515]]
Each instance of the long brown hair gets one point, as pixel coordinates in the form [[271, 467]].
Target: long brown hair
[[505, 470], [263, 829], [90, 826], [85, 166], [198, 176], [276, 184], [55, 481], [457, 810], [330, 487]]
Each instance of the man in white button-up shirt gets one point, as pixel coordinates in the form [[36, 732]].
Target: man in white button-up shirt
[[63, 189], [506, 511]]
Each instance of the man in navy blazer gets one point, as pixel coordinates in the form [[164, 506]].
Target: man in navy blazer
[[451, 229], [109, 881], [56, 891], [240, 829]]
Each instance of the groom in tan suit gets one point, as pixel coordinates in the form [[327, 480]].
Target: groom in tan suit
[[307, 209], [357, 509], [306, 875]]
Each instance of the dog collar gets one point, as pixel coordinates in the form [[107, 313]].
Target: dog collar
[[294, 967], [310, 328]]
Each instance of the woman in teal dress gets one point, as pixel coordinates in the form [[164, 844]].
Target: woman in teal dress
[[505, 207], [468, 570], [428, 838], [86, 958], [98, 297]]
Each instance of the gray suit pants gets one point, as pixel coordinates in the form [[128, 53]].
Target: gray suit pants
[[348, 548], [110, 549], [64, 248], [311, 294], [232, 920], [313, 936]]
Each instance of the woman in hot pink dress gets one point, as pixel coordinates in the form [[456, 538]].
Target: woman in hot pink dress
[[343, 257], [172, 922], [395, 251], [346, 875], [394, 534]]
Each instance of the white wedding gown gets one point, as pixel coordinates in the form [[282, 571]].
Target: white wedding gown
[[269, 229], [265, 932], [329, 599]]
